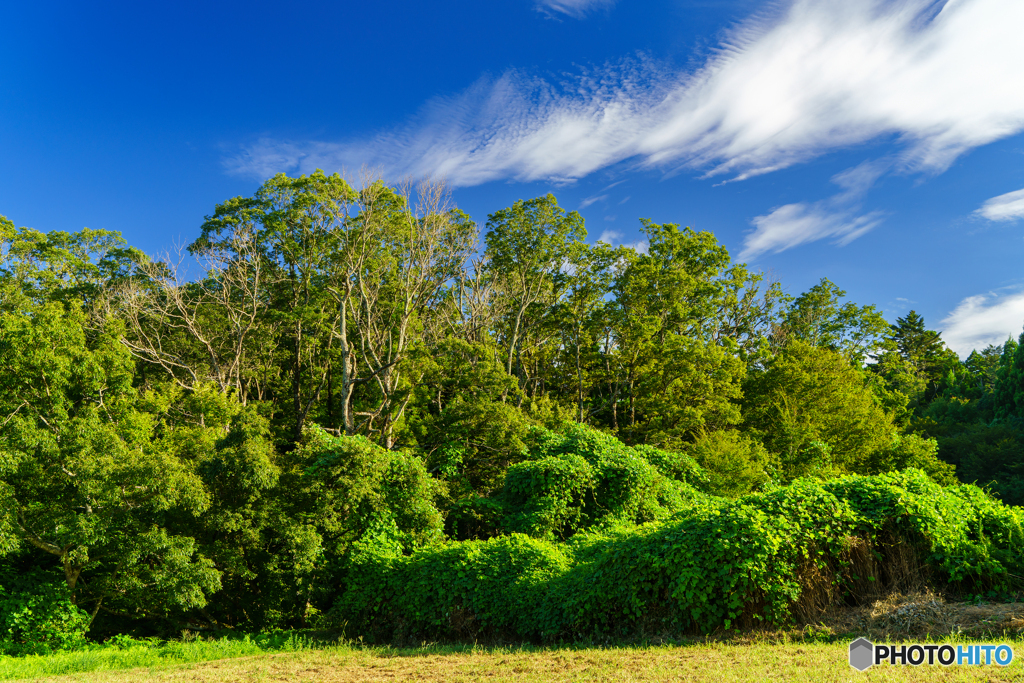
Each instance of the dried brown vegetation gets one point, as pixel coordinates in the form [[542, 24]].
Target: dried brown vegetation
[[917, 615]]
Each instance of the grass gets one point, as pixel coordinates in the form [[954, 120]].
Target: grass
[[341, 663], [814, 652], [134, 654]]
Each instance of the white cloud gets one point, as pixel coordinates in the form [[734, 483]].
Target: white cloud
[[641, 246], [982, 320], [816, 75], [793, 224], [1005, 207], [590, 200], [574, 8], [609, 237]]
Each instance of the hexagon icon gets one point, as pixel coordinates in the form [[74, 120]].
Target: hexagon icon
[[861, 654]]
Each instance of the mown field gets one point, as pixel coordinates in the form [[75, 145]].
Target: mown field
[[695, 662], [811, 652]]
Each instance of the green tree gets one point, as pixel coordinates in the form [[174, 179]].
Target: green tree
[[735, 464], [528, 247], [87, 475], [580, 316], [1008, 388], [60, 266], [816, 412], [679, 375], [818, 318], [400, 293]]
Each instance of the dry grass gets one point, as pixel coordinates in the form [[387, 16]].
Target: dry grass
[[706, 662], [925, 614]]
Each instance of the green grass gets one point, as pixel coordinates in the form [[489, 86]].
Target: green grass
[[131, 654], [802, 662], [298, 657]]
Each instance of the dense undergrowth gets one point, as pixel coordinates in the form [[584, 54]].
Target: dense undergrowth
[[596, 541], [765, 558]]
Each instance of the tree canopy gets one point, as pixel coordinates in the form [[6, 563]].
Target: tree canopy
[[359, 373]]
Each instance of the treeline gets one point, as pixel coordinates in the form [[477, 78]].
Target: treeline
[[216, 449]]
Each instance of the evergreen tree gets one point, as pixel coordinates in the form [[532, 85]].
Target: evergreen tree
[[914, 361], [1008, 393]]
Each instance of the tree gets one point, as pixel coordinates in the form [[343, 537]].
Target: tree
[[61, 266], [528, 246], [588, 282], [304, 276], [816, 412], [423, 249], [817, 318], [201, 331], [913, 361], [679, 374], [1008, 388], [88, 474], [283, 243]]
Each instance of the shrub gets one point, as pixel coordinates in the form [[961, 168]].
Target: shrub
[[735, 463], [717, 563], [581, 477], [915, 451], [37, 615]]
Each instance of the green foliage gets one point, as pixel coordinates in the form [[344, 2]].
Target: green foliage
[[1008, 389], [817, 318], [816, 412], [468, 433], [681, 374], [735, 463], [914, 360], [89, 475], [60, 266], [581, 477], [37, 615], [717, 563], [353, 484], [988, 454], [571, 412], [914, 451], [455, 589]]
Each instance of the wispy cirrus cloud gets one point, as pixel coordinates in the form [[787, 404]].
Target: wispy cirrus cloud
[[837, 217], [794, 224], [591, 200], [576, 9], [1005, 207], [984, 319], [937, 78]]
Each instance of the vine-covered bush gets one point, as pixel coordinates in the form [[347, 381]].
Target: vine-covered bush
[[579, 477], [717, 563], [353, 484]]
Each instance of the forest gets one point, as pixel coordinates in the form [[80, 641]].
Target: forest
[[354, 408]]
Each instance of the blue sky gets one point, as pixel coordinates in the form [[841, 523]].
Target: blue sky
[[879, 144]]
